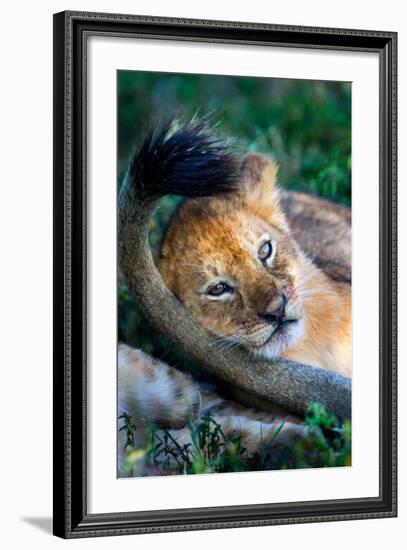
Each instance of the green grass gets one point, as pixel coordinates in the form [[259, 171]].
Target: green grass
[[210, 450], [305, 125]]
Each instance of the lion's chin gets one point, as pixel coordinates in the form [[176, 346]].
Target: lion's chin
[[284, 337]]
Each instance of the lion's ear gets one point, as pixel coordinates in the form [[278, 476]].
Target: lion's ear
[[258, 175], [258, 188]]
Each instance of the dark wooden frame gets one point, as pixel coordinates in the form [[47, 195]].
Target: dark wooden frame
[[71, 518]]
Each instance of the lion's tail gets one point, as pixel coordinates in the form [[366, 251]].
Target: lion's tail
[[187, 160]]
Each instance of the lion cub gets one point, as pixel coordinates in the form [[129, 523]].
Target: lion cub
[[262, 268], [237, 265]]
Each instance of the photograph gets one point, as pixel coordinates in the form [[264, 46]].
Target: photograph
[[225, 274], [201, 275], [246, 186]]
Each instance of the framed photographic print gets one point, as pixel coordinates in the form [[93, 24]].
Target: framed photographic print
[[224, 274]]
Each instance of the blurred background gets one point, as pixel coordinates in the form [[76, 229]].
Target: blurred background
[[304, 125]]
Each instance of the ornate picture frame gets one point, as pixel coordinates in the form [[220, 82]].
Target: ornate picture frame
[[72, 517]]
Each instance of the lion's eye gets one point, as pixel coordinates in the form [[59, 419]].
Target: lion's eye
[[219, 289], [265, 251]]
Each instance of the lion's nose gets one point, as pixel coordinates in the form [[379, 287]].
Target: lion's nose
[[277, 313]]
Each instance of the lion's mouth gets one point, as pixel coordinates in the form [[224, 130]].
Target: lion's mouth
[[285, 323], [282, 328], [284, 335]]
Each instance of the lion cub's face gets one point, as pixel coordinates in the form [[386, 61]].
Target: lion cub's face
[[234, 265]]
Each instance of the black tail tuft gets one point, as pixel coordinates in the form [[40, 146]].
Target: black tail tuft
[[183, 160]]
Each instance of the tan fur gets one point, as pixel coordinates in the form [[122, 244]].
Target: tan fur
[[217, 239], [149, 388]]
